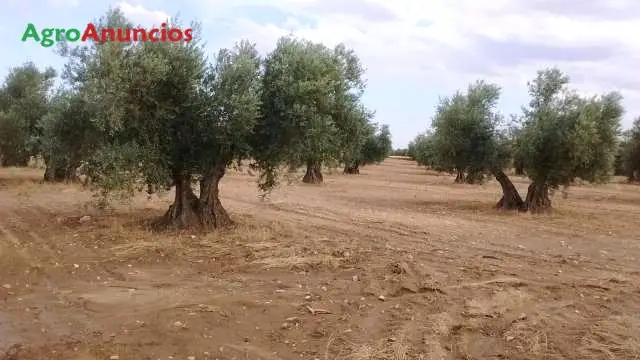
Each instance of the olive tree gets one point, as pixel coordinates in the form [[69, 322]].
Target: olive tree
[[311, 106], [66, 136], [464, 132], [421, 150], [374, 149], [628, 157], [565, 137], [168, 117], [24, 100], [467, 139]]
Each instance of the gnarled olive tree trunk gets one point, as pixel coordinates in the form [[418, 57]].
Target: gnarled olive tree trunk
[[183, 212], [313, 174], [210, 210], [59, 171], [474, 177], [55, 174], [460, 178], [8, 161], [190, 211], [510, 199], [352, 169], [538, 200]]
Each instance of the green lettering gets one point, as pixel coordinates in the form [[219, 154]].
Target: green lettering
[[72, 35], [31, 32], [47, 34], [59, 34]]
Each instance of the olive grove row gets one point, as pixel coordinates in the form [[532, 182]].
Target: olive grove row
[[160, 114], [559, 138], [153, 115]]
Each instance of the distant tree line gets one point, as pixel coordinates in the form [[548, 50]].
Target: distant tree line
[[400, 152]]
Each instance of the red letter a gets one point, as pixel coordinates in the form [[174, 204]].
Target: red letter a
[[91, 32]]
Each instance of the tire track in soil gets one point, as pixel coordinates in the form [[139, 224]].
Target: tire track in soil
[[392, 243], [408, 238], [48, 312], [63, 252], [381, 238], [404, 236], [45, 261], [460, 340], [29, 265], [329, 226], [26, 222], [9, 236], [380, 250]]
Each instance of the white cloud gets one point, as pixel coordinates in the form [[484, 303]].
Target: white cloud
[[505, 41], [65, 3], [140, 15]]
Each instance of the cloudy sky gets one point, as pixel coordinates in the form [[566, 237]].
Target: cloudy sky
[[414, 50]]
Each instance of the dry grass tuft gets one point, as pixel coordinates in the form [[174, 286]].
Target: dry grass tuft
[[617, 337], [365, 352], [529, 339], [244, 240], [300, 263], [385, 349]]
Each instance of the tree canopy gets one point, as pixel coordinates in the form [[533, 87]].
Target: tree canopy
[[374, 147], [421, 150], [627, 162], [162, 114], [464, 135], [65, 135], [565, 136], [171, 118], [467, 139], [311, 108], [24, 100]]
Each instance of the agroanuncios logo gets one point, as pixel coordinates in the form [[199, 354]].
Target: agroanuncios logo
[[49, 36]]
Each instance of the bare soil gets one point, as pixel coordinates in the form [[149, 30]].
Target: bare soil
[[394, 263]]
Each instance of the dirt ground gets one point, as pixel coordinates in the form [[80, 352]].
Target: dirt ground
[[395, 263]]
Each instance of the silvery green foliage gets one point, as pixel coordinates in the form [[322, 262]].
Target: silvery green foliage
[[163, 109], [565, 136], [466, 137], [311, 107], [24, 101]]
